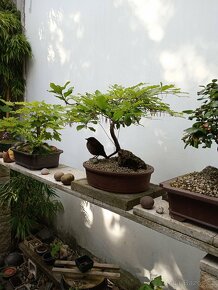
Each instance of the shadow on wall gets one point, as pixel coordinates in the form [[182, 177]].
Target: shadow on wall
[[101, 42], [131, 248]]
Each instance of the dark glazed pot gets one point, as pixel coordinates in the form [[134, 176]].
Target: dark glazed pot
[[14, 259], [48, 259], [119, 182], [37, 161], [187, 205]]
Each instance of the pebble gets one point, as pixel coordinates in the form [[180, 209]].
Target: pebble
[[204, 182], [45, 171], [58, 175], [147, 202], [67, 178], [160, 210]]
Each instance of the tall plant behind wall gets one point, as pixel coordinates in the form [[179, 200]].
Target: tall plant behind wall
[[14, 49]]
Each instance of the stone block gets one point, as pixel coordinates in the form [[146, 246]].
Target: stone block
[[209, 273]]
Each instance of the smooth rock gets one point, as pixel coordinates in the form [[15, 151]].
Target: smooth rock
[[147, 202], [67, 178], [58, 175], [45, 171]]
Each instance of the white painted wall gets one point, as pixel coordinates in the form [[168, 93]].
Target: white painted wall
[[97, 43]]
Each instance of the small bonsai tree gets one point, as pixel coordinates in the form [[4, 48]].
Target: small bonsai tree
[[35, 123], [120, 106], [205, 129], [14, 49]]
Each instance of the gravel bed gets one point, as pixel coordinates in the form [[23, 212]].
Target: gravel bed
[[203, 182], [110, 165]]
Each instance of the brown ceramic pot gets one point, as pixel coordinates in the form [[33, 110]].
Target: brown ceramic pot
[[187, 205], [119, 182]]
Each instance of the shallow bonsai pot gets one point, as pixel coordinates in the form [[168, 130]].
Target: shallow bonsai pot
[[37, 161], [119, 182], [88, 283], [42, 249], [187, 205], [84, 263]]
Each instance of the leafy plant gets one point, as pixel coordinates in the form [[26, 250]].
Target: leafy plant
[[14, 49], [31, 202], [205, 129], [35, 122], [55, 248], [120, 106], [155, 284]]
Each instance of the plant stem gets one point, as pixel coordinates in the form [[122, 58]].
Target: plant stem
[[116, 143]]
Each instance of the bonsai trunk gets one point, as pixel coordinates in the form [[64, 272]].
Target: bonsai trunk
[[114, 137]]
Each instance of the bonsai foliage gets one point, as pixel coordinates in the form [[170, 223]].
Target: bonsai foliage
[[205, 129], [119, 106], [14, 48], [31, 202], [35, 122], [155, 284]]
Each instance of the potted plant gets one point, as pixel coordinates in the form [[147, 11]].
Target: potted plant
[[194, 196], [35, 123], [119, 107]]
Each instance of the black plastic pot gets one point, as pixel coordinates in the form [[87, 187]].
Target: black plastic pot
[[37, 161], [48, 259], [84, 263]]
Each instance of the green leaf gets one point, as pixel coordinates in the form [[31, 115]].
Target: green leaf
[[80, 127], [156, 282]]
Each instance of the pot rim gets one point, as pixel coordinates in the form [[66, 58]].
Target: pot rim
[[180, 191], [58, 151], [150, 169]]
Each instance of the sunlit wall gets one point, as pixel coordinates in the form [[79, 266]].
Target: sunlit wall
[[98, 43]]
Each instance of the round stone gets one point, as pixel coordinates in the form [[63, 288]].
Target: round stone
[[147, 202], [58, 175], [45, 171], [67, 178]]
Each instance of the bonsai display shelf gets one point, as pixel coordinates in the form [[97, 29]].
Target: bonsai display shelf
[[119, 200]]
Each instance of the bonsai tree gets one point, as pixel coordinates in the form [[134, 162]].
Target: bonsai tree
[[14, 49], [119, 106], [35, 123], [205, 129]]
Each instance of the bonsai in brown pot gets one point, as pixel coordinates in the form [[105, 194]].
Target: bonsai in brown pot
[[194, 196], [119, 107], [34, 123]]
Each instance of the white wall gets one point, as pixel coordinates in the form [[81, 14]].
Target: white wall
[[97, 43]]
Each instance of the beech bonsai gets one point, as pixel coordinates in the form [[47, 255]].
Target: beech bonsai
[[34, 123], [119, 106], [205, 129]]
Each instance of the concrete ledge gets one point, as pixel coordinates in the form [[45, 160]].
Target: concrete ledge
[[119, 200], [185, 232]]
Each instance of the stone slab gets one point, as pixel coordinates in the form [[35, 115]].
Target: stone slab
[[209, 264], [120, 200], [199, 233]]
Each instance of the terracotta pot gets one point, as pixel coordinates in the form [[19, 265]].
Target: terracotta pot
[[187, 205], [37, 161], [119, 182]]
